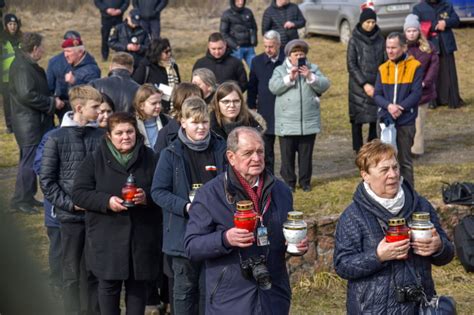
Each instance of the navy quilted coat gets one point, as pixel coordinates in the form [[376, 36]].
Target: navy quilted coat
[[371, 284]]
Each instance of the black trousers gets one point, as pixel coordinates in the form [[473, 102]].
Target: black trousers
[[289, 146], [26, 182], [269, 152], [54, 256], [357, 137], [405, 137], [109, 296], [152, 27], [107, 22], [7, 111], [74, 268]]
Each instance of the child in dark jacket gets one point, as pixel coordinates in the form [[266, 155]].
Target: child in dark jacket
[[195, 157], [63, 152]]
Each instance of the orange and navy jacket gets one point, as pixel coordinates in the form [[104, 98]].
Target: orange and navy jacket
[[399, 83]]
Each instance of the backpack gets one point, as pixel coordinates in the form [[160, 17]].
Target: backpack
[[464, 242], [458, 193]]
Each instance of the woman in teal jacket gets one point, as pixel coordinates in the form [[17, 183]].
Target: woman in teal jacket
[[297, 84]]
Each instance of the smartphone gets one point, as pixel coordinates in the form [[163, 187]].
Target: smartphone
[[301, 62]]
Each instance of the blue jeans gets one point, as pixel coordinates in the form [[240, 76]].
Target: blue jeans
[[244, 53], [189, 287]]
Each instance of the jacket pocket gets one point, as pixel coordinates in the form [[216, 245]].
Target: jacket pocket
[[218, 283]]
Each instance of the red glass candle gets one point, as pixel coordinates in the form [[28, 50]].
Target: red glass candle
[[128, 191], [397, 230], [245, 217]]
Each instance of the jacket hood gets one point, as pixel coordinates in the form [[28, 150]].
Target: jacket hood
[[87, 60], [259, 119], [234, 8], [367, 203], [119, 72], [68, 121]]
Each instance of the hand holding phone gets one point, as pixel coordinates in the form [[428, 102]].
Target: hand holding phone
[[301, 62]]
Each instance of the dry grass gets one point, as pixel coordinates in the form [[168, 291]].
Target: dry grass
[[448, 131]]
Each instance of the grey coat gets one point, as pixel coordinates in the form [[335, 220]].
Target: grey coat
[[297, 111]]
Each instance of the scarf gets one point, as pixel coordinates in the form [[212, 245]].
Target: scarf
[[199, 146], [124, 158], [393, 205], [171, 72], [254, 196]]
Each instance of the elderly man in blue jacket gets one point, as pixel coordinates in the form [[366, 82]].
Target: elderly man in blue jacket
[[398, 90], [211, 236]]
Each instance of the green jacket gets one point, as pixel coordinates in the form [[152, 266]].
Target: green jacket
[[8, 55], [297, 109]]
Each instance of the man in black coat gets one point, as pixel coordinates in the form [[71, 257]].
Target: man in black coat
[[32, 116], [119, 86], [111, 14], [285, 18], [259, 96], [221, 63], [130, 37], [150, 11], [63, 153]]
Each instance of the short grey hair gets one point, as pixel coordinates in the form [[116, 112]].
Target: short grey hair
[[207, 76], [272, 35], [233, 138]]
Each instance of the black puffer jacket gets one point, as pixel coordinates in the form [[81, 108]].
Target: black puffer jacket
[[63, 153], [275, 17], [364, 55], [238, 26], [33, 107], [226, 68], [120, 87], [371, 285]]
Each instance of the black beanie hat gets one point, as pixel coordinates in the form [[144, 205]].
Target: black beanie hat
[[10, 17], [367, 14]]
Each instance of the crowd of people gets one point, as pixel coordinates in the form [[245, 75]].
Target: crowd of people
[[141, 126]]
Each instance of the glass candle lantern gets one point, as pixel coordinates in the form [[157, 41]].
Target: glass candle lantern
[[397, 230], [294, 230], [245, 217], [128, 191], [420, 226], [194, 189]]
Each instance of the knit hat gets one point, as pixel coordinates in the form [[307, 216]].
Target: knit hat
[[10, 17], [367, 14], [135, 15], [296, 43], [72, 42], [411, 21]]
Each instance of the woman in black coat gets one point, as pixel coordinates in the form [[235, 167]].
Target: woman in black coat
[[158, 67], [123, 244], [365, 53]]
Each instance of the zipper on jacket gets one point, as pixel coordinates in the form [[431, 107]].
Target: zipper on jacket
[[301, 103], [396, 85], [221, 276]]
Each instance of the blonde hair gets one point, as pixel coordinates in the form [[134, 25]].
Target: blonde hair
[[372, 153], [143, 93], [80, 94], [195, 107], [423, 44]]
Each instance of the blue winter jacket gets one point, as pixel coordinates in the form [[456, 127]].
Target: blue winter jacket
[[434, 13], [171, 187], [227, 291], [371, 286], [84, 72], [406, 91]]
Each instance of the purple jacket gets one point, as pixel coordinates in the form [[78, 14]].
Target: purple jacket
[[430, 66]]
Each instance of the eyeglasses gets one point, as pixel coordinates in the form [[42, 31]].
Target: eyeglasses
[[227, 103]]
